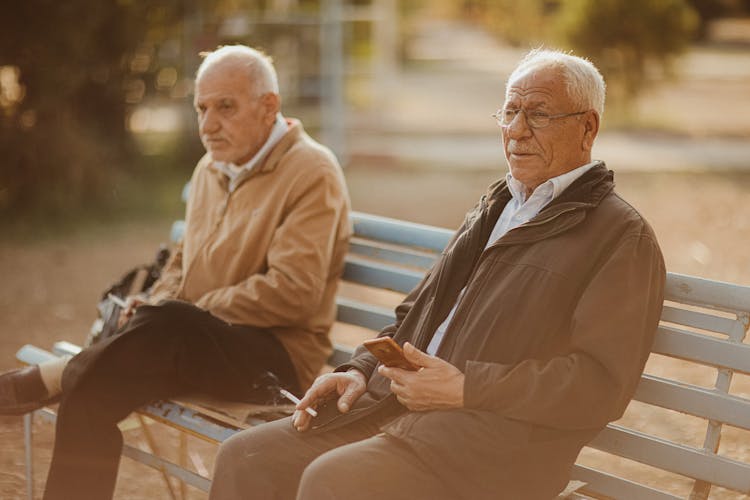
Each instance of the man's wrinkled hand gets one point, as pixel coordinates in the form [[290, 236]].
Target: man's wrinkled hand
[[348, 386], [437, 385]]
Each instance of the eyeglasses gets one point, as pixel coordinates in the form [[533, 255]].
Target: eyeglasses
[[534, 119]]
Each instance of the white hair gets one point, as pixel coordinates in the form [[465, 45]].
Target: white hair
[[583, 82], [261, 73]]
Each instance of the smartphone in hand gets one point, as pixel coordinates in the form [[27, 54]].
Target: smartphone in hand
[[389, 353]]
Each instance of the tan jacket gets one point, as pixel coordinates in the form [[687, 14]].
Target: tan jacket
[[270, 253]]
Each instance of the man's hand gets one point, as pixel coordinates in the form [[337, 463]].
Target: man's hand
[[133, 301], [349, 386], [437, 385]]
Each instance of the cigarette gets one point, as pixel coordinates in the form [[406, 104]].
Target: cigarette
[[294, 399], [117, 300]]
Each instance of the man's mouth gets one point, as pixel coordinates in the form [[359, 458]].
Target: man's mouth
[[214, 140]]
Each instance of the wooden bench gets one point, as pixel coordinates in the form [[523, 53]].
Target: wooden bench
[[699, 370]]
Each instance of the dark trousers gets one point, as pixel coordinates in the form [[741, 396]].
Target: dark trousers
[[165, 351], [276, 462]]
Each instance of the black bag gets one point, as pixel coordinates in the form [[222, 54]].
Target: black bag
[[135, 281]]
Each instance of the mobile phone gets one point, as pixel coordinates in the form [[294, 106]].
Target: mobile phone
[[389, 353]]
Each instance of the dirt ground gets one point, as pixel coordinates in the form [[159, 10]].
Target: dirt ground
[[49, 288]]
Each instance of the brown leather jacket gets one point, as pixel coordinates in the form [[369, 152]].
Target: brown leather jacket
[[552, 334], [270, 253]]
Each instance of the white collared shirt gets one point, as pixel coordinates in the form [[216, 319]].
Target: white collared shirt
[[517, 211], [232, 171]]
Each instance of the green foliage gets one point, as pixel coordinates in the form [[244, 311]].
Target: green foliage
[[518, 22], [627, 39], [71, 71]]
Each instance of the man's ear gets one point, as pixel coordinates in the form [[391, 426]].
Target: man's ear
[[590, 129], [271, 103]]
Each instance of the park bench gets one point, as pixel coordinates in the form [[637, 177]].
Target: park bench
[[701, 334]]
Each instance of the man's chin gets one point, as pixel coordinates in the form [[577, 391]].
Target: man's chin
[[524, 163]]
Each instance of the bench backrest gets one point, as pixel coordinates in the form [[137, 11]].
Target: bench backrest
[[702, 330]]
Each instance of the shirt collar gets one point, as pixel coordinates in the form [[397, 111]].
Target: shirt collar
[[548, 190], [280, 127]]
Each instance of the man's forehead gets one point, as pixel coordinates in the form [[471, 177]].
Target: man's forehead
[[222, 86], [538, 84]]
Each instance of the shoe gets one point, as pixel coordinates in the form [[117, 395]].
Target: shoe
[[22, 391]]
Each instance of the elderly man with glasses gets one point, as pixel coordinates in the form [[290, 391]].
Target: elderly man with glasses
[[530, 332]]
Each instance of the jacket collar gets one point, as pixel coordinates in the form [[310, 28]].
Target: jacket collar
[[566, 211], [273, 157]]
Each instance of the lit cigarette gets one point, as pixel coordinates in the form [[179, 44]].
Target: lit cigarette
[[117, 300], [294, 399]]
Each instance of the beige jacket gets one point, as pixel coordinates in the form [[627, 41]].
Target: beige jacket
[[270, 253]]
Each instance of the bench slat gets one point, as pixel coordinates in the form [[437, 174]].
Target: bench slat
[[694, 400], [673, 457], [362, 314], [400, 232], [701, 348], [602, 483], [702, 292], [395, 255], [32, 355], [381, 275], [159, 464], [184, 417], [700, 320]]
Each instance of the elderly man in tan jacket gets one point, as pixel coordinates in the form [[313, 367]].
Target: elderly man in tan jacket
[[249, 290]]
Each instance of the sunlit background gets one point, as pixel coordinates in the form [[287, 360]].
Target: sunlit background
[[98, 136]]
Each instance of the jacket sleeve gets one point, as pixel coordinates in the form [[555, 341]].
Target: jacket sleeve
[[300, 259], [168, 284], [612, 330]]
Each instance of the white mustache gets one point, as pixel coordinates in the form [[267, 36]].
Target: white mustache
[[513, 148]]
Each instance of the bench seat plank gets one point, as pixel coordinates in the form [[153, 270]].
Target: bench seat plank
[[378, 275], [694, 400], [396, 255], [712, 351], [673, 457], [601, 483], [702, 292], [366, 315], [400, 232], [700, 320]]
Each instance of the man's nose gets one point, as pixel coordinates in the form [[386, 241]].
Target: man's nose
[[518, 128], [209, 123]]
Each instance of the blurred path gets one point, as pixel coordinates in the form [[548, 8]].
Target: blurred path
[[436, 112]]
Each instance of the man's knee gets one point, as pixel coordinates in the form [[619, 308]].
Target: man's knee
[[319, 479], [257, 459]]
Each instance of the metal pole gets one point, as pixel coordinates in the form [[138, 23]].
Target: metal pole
[[332, 113], [28, 422]]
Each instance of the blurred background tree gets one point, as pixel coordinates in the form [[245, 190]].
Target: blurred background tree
[[627, 39], [95, 108], [71, 73]]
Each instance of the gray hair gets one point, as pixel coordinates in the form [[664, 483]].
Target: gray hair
[[583, 82], [261, 72]]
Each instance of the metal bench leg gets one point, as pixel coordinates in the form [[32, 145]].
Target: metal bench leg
[[28, 422], [183, 463], [155, 450]]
